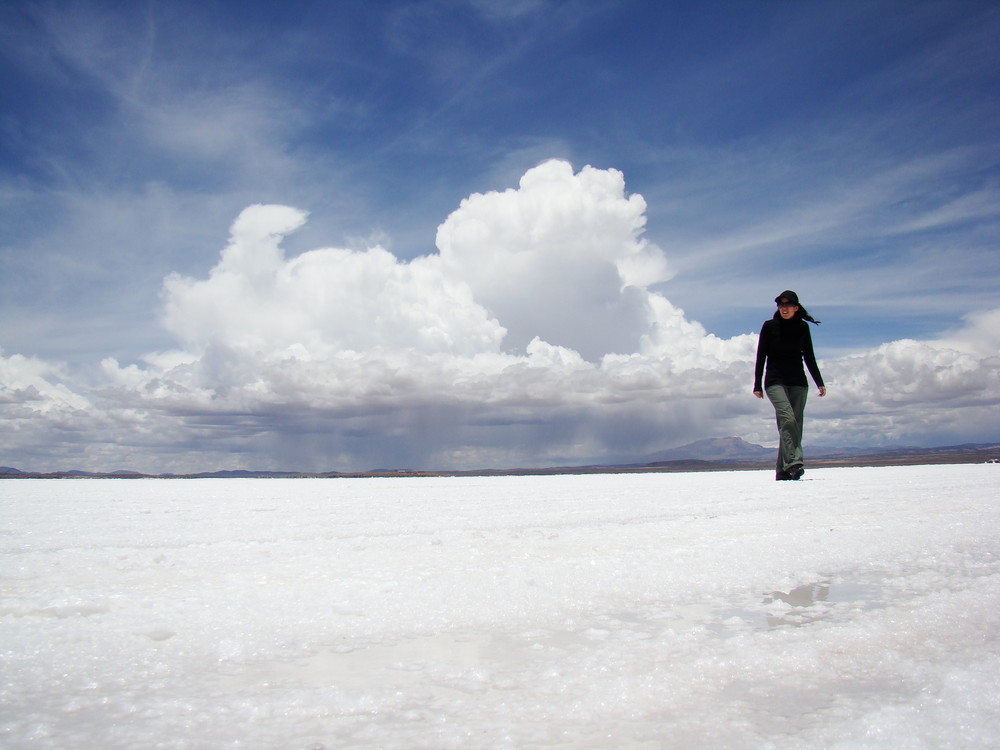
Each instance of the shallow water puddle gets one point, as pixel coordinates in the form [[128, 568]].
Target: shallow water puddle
[[830, 598], [819, 601], [467, 663]]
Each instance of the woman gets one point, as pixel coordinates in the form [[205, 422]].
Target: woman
[[783, 344]]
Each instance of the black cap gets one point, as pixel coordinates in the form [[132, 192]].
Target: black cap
[[789, 295]]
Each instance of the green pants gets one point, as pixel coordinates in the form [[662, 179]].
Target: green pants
[[789, 403]]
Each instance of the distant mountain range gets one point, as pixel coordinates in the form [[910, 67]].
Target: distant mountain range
[[734, 449], [714, 449], [716, 454]]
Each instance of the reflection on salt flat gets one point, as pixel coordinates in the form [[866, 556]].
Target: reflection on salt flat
[[802, 596], [828, 599], [805, 603], [448, 665], [818, 601]]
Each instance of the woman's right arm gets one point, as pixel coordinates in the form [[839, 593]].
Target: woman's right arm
[[758, 371]]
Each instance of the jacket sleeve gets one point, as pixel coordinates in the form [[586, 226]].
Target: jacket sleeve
[[810, 358], [758, 371]]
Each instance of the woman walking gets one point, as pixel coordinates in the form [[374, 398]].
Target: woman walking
[[784, 343]]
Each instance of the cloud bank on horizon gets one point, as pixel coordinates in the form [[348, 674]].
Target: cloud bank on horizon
[[534, 335]]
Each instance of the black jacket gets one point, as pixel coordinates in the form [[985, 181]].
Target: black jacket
[[783, 345]]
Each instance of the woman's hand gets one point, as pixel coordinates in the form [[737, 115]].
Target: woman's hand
[[822, 390], [759, 394]]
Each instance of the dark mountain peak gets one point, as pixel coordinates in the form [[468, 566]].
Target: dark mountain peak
[[715, 449]]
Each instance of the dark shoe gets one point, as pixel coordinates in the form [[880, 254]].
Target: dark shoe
[[796, 471], [783, 476]]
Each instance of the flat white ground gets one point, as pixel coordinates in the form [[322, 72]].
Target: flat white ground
[[857, 608]]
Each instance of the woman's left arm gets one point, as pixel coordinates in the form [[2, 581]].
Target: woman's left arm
[[810, 359]]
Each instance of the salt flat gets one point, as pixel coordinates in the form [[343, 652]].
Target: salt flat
[[858, 608]]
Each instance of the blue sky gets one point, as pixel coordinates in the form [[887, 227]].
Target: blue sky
[[847, 150]]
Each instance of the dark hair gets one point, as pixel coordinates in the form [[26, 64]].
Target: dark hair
[[792, 297], [800, 313]]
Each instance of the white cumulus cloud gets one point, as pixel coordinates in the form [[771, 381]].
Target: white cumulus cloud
[[561, 258], [324, 301]]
